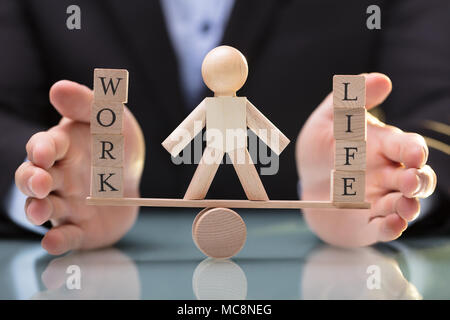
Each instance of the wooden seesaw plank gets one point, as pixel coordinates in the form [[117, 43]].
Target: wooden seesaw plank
[[219, 203]]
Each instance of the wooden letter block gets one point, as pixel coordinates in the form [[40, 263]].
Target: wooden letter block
[[348, 186], [350, 124], [107, 150], [107, 182], [107, 117], [349, 91], [350, 155], [111, 85]]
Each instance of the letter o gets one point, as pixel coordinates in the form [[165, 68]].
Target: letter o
[[113, 117]]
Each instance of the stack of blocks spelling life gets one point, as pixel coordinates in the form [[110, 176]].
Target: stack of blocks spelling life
[[350, 131], [107, 140]]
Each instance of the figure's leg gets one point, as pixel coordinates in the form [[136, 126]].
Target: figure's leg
[[247, 174], [204, 175]]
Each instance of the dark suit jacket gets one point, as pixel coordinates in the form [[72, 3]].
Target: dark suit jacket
[[293, 50]]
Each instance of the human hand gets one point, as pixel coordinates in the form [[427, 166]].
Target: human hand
[[57, 176], [396, 175]]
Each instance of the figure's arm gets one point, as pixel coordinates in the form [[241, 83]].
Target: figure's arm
[[186, 131], [265, 129]]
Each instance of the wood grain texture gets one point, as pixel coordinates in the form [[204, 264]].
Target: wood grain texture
[[265, 129], [219, 233], [350, 155], [107, 150], [213, 203], [111, 85], [107, 117], [204, 174], [186, 131], [350, 124], [248, 176], [107, 182], [349, 91], [348, 186], [226, 125]]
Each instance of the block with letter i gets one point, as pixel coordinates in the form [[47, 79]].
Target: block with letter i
[[350, 132], [107, 141]]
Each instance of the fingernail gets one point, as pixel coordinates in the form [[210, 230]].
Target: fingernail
[[418, 188], [427, 182], [425, 153], [30, 185]]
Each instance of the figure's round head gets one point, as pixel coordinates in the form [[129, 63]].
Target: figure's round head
[[224, 70]]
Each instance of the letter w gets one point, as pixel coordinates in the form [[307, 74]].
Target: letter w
[[110, 84]]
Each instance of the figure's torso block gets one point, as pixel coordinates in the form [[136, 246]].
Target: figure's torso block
[[226, 123]]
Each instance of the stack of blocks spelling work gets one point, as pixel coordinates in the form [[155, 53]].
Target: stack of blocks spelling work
[[350, 131], [107, 141]]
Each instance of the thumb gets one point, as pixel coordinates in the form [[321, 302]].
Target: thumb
[[378, 88], [72, 100]]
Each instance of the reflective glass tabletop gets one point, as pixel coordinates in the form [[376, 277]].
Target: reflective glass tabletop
[[282, 259]]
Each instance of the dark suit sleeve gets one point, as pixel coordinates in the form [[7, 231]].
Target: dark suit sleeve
[[415, 54], [24, 106]]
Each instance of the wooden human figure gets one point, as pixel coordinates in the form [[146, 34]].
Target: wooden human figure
[[226, 118]]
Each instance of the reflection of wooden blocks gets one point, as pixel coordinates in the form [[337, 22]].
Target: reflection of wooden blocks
[[350, 155], [111, 85], [347, 186], [349, 91], [107, 117], [107, 182], [350, 124], [107, 150]]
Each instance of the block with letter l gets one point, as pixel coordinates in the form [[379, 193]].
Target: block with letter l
[[348, 186], [107, 182], [349, 91]]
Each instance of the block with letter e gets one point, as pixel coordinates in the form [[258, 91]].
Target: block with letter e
[[107, 182], [348, 186]]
